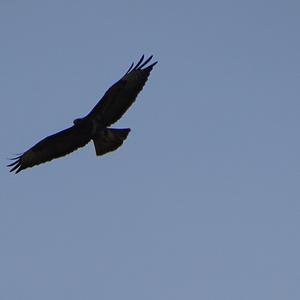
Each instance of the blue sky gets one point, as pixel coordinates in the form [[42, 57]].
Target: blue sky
[[202, 201]]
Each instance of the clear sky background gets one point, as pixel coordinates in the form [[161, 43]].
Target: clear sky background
[[202, 201]]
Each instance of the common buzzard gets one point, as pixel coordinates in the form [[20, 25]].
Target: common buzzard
[[95, 125]]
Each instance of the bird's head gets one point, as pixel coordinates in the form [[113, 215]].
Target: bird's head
[[78, 121]]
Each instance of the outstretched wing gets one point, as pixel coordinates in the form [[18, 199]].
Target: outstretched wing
[[53, 146], [122, 94]]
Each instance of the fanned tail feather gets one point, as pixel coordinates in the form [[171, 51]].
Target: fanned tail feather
[[109, 139]]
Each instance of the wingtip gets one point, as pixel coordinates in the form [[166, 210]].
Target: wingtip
[[15, 165], [130, 68], [150, 67], [139, 62], [17, 168], [155, 63]]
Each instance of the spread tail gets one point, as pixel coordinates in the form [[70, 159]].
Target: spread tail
[[109, 139]]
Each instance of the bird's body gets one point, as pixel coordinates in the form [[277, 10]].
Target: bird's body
[[95, 125]]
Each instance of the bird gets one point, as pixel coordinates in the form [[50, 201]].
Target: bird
[[95, 126]]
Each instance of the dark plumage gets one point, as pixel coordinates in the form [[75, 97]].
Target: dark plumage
[[94, 126]]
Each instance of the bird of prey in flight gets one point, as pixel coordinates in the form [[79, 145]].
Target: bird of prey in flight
[[95, 125]]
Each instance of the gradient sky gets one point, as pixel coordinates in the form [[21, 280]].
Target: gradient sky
[[202, 201]]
